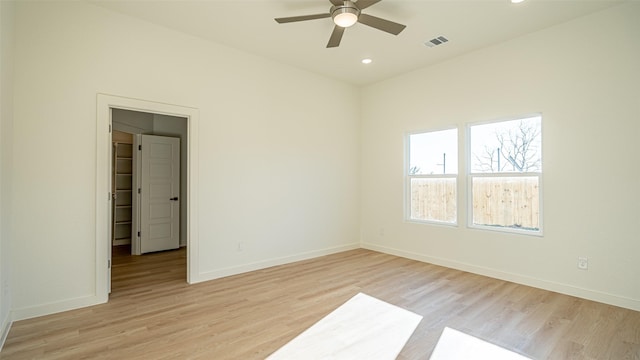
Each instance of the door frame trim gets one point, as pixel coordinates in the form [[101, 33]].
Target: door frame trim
[[105, 103]]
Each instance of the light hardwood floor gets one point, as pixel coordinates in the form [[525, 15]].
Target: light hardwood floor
[[154, 314]]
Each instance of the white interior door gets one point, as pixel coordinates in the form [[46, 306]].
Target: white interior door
[[159, 193]]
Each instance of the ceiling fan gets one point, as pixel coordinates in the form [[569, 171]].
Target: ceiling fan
[[345, 14]]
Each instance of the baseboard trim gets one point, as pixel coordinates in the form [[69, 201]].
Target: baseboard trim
[[56, 307], [81, 302], [235, 270], [6, 326], [566, 289]]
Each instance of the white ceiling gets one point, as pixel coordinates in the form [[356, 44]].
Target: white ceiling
[[249, 25]]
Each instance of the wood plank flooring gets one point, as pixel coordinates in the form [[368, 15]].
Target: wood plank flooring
[[154, 314]]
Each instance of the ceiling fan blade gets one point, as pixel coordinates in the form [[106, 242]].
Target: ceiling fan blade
[[301, 18], [381, 24], [363, 4], [336, 36], [337, 2]]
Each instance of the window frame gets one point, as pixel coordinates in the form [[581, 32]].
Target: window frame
[[408, 177], [470, 175]]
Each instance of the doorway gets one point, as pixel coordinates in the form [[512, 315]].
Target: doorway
[[143, 221], [107, 105]]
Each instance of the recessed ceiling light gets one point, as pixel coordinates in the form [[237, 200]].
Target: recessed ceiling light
[[367, 61], [516, 1]]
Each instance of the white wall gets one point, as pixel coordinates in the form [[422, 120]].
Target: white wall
[[584, 77], [278, 168], [6, 141]]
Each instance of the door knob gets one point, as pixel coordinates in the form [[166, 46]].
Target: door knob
[[174, 198]]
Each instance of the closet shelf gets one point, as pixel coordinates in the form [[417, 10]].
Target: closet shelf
[[122, 184]]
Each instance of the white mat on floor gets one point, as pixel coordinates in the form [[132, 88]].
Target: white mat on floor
[[362, 328], [455, 345]]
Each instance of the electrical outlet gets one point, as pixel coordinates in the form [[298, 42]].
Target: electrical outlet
[[583, 262]]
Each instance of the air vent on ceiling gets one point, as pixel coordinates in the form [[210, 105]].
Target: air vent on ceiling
[[436, 41]]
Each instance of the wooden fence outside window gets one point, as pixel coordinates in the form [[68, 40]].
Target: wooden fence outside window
[[504, 202]]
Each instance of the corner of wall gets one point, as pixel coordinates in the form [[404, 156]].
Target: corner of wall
[[4, 330], [6, 141]]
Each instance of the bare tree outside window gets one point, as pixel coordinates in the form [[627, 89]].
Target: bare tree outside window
[[512, 146]]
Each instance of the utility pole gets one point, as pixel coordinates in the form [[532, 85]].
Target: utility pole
[[444, 163]]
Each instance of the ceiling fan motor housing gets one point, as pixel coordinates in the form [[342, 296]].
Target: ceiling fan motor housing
[[345, 15]]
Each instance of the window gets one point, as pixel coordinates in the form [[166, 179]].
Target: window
[[505, 161], [432, 173]]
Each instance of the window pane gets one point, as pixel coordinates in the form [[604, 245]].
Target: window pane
[[434, 153], [507, 146], [506, 202], [433, 199]]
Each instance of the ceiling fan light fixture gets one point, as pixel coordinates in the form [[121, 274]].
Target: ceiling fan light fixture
[[345, 15], [345, 19]]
